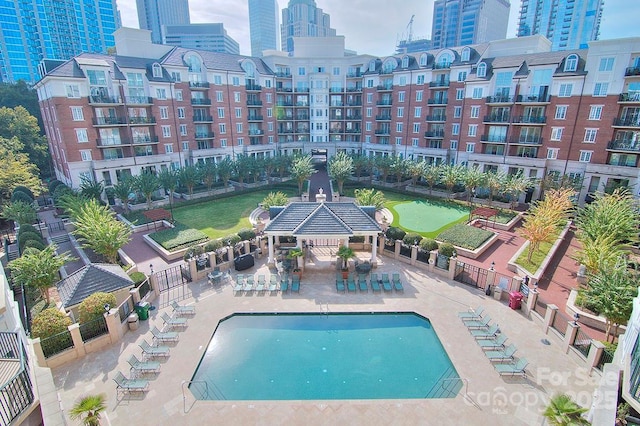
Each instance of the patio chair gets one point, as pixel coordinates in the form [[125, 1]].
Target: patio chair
[[512, 369], [397, 284], [472, 314], [284, 284], [489, 333], [493, 344], [340, 283], [481, 323], [239, 283], [248, 286], [502, 355], [295, 284], [183, 310], [143, 367], [351, 284], [386, 284], [164, 336], [362, 283], [173, 322], [124, 385], [261, 283], [375, 283], [273, 283], [149, 351]]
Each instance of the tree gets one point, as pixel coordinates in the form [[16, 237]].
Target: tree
[[563, 411], [451, 176], [275, 199], [16, 169], [472, 178], [416, 169], [301, 170], [282, 164], [168, 180], [209, 173], [383, 165], [89, 188], [340, 169], [18, 123], [90, 406], [269, 165], [146, 183], [515, 185], [122, 190], [431, 175], [361, 164], [610, 293], [99, 230], [19, 212], [92, 307], [21, 94], [399, 167], [189, 177], [242, 168], [495, 182], [370, 197], [225, 169], [345, 253], [38, 268]]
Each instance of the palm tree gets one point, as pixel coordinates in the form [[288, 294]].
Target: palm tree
[[90, 188], [416, 169], [269, 164], [495, 182], [370, 197], [225, 170], [147, 183], [209, 174], [189, 177], [361, 164], [383, 165], [563, 411], [20, 212], [515, 185], [122, 190], [340, 169], [451, 176], [243, 167], [431, 175], [168, 180], [345, 253], [282, 163], [472, 178], [301, 170], [91, 406], [399, 167]]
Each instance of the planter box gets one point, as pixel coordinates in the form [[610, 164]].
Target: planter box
[[591, 320], [474, 254], [204, 194], [494, 203], [154, 205], [501, 226]]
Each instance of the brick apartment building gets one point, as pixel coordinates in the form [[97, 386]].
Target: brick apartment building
[[511, 105]]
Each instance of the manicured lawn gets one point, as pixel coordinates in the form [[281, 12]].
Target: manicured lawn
[[222, 217], [536, 258]]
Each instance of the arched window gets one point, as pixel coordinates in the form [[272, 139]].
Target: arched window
[[423, 60], [405, 62], [444, 61], [466, 54], [372, 65], [482, 70], [389, 65], [156, 70], [194, 63], [571, 63], [249, 69]]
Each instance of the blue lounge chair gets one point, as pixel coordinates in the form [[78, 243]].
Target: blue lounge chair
[[164, 336], [273, 283], [173, 322], [149, 351], [239, 283], [493, 344], [124, 385], [397, 284], [489, 333], [375, 283], [512, 369], [351, 284], [295, 284], [502, 355], [261, 283], [481, 323], [472, 314], [248, 286], [143, 367], [340, 283], [182, 310], [284, 284], [386, 284], [362, 283]]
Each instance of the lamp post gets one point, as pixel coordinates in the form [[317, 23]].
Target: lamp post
[[576, 317], [493, 266]]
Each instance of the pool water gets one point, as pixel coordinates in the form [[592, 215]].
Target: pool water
[[324, 356]]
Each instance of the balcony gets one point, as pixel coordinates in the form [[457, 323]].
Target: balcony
[[497, 118], [140, 100], [357, 74], [283, 74], [623, 162], [385, 102], [256, 132], [438, 101], [253, 117], [302, 117], [627, 122], [304, 130], [631, 71], [284, 103], [16, 391], [624, 145], [382, 132], [284, 89], [499, 99], [202, 119], [336, 90], [104, 100], [353, 103], [436, 117], [493, 139], [111, 142], [442, 66], [535, 99], [354, 117], [529, 140], [109, 121], [336, 131], [200, 101], [383, 117], [354, 89], [435, 134], [145, 140], [353, 131], [252, 87], [385, 87], [530, 119], [198, 85], [254, 102], [142, 120], [205, 135], [629, 97], [336, 104], [439, 83]]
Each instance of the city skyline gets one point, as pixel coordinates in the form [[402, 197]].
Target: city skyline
[[385, 25]]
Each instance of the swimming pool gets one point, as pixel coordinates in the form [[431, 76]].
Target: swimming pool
[[325, 356]]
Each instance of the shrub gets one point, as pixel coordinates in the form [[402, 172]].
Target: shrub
[[137, 218], [39, 245], [21, 196], [428, 244], [178, 237], [275, 199], [411, 238], [27, 227], [446, 249], [465, 236], [246, 234], [28, 191], [231, 239], [28, 236], [137, 278], [49, 322], [192, 252], [92, 307], [394, 233], [213, 245], [53, 185]]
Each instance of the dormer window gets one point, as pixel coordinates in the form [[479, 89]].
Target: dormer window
[[372, 66], [194, 63], [389, 65], [249, 69], [444, 61], [405, 62], [157, 70], [571, 63], [482, 70], [423, 60], [465, 55]]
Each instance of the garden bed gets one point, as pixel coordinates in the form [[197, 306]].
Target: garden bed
[[507, 225], [513, 265], [469, 241], [178, 237]]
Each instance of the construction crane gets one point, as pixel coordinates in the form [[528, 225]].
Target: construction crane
[[410, 29]]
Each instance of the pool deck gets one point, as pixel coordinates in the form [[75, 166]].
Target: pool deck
[[491, 398]]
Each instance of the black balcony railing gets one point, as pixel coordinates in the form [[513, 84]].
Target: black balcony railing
[[434, 134], [142, 120], [493, 138], [282, 74], [100, 99], [382, 132], [142, 140], [199, 84], [498, 99], [254, 102], [92, 329], [201, 118], [205, 135], [200, 101], [109, 142], [109, 121], [530, 119], [140, 100], [385, 87], [629, 97], [504, 118], [441, 66], [354, 74], [256, 132], [439, 83], [255, 117], [383, 117], [303, 117], [533, 98], [284, 89], [16, 393], [632, 71], [437, 101], [529, 140], [250, 86], [436, 117], [626, 145], [354, 89], [383, 102], [627, 122], [57, 343]]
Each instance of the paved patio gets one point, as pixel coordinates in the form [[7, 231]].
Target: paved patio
[[491, 398]]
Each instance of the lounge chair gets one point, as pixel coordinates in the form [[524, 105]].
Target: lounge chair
[[493, 344], [183, 310], [149, 351], [248, 286], [125, 385], [143, 367], [362, 283], [295, 284], [173, 322], [512, 369], [239, 283], [395, 280], [273, 283], [472, 314], [351, 284], [489, 333], [375, 283], [340, 283], [386, 284], [284, 284], [481, 323], [164, 336], [502, 355], [261, 283]]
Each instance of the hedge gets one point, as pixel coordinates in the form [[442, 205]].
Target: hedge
[[48, 323], [93, 307], [427, 244], [465, 236], [178, 237], [21, 196]]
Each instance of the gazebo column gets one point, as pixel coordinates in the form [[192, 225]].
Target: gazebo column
[[374, 249], [270, 260]]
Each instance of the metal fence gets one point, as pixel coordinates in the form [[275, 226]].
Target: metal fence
[[92, 329], [540, 308], [144, 288], [16, 394], [125, 309], [582, 343], [559, 323], [471, 275], [57, 343], [605, 358]]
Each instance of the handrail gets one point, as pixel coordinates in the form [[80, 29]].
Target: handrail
[[184, 397], [465, 381]]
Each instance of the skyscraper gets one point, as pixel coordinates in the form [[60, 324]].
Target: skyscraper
[[465, 22], [263, 25], [302, 18], [48, 29], [153, 14], [211, 37], [569, 24]]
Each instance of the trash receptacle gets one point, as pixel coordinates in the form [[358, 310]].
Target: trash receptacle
[[515, 299], [142, 309], [133, 321]]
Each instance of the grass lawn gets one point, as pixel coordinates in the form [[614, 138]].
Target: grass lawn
[[226, 216], [536, 258]]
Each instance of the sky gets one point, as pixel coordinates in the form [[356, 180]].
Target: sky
[[374, 26]]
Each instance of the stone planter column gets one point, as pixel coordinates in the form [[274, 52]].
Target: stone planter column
[[78, 343], [453, 260], [570, 336], [433, 256], [113, 325], [212, 259], [270, 260], [397, 249], [549, 317], [246, 246], [193, 269], [531, 303]]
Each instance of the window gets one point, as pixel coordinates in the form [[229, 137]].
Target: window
[[465, 55], [161, 94], [336, 70], [471, 147], [238, 127], [164, 112], [76, 113], [590, 135], [223, 143], [402, 81], [552, 153], [179, 95], [400, 96], [157, 70], [462, 76], [457, 112], [595, 112], [240, 141], [417, 112], [473, 130], [81, 134], [399, 127], [185, 146], [220, 112], [269, 112], [481, 71], [235, 81], [369, 112], [561, 112], [183, 130], [180, 112], [370, 83], [565, 90], [405, 62], [367, 126], [415, 141], [556, 133], [606, 64], [302, 71], [459, 94], [176, 76], [73, 91], [271, 139], [238, 112], [270, 126], [571, 63], [416, 127], [420, 79], [419, 94], [455, 129], [236, 96], [219, 96], [222, 127], [168, 148], [475, 112], [423, 60], [217, 79], [453, 144], [585, 156], [600, 89], [400, 112], [369, 98], [166, 131], [85, 154], [477, 93], [97, 78], [398, 141]]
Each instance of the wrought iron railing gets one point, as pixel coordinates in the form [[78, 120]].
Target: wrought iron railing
[[559, 323], [125, 309], [16, 394], [144, 288], [605, 358], [57, 343], [94, 328], [582, 343]]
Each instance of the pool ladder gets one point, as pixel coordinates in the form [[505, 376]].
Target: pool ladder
[[218, 394], [323, 310]]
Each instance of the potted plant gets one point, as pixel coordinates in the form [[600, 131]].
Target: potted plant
[[296, 253], [345, 253]]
